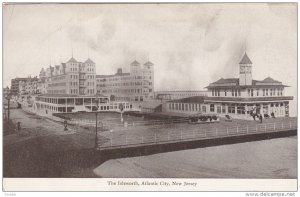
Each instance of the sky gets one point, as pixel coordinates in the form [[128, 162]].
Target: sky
[[191, 45]]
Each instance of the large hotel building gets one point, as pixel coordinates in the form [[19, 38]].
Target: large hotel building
[[135, 86], [239, 97], [73, 86]]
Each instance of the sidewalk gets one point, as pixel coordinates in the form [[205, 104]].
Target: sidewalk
[[52, 132]]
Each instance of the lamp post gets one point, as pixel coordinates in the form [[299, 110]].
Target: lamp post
[[97, 107], [8, 97]]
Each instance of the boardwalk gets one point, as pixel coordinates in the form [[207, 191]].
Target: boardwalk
[[186, 132]]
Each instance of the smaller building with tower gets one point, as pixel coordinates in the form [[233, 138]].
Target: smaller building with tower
[[240, 97]]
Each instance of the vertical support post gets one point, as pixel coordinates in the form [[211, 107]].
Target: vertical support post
[[180, 134], [265, 127]]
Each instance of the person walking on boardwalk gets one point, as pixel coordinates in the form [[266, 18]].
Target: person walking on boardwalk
[[260, 118]]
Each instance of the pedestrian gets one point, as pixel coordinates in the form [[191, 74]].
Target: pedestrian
[[260, 118]]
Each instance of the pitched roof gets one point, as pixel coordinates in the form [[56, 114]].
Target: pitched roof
[[135, 62], [89, 61], [72, 60], [225, 81], [270, 80], [148, 63], [193, 99], [245, 60]]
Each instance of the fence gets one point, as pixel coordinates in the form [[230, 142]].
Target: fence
[[183, 135], [112, 124]]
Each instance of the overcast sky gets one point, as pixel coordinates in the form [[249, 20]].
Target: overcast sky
[[191, 45]]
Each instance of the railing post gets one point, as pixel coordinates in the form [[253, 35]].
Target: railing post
[[265, 127]]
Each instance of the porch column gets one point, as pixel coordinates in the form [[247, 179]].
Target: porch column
[[235, 108], [66, 104]]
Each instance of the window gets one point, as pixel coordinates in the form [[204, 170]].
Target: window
[[251, 92], [257, 92], [232, 92], [212, 107], [231, 109], [264, 92], [204, 109], [241, 109], [267, 92], [223, 108], [213, 93], [225, 92], [219, 109]]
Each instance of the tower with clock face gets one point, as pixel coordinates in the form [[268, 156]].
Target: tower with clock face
[[245, 78]]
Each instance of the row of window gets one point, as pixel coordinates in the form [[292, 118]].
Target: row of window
[[251, 92], [90, 91], [74, 91], [74, 76], [57, 84], [184, 107]]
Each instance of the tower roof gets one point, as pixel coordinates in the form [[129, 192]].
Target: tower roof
[[135, 63], [148, 63], [245, 60], [89, 61], [72, 60]]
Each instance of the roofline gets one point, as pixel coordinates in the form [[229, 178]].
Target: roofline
[[247, 86]]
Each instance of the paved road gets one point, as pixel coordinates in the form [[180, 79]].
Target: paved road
[[52, 132]]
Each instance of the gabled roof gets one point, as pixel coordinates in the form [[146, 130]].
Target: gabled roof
[[148, 63], [135, 62], [270, 80], [89, 61], [245, 60], [72, 60], [228, 80]]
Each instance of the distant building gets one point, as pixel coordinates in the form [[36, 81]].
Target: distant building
[[28, 86], [6, 92], [15, 84], [239, 97], [136, 86], [173, 95]]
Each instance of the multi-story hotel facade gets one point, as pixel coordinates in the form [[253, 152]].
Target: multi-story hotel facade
[[72, 77], [239, 97], [135, 86]]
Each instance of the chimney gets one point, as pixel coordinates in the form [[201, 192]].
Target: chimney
[[119, 71]]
